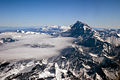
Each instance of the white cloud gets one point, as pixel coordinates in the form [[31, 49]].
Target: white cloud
[[18, 50]]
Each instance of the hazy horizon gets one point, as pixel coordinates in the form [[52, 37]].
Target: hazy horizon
[[35, 26]]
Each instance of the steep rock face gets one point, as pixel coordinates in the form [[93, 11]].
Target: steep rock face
[[81, 29], [88, 65], [84, 34], [78, 29]]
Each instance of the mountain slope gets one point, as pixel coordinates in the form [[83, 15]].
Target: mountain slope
[[89, 58]]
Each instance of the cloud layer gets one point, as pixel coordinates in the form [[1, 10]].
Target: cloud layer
[[33, 46]]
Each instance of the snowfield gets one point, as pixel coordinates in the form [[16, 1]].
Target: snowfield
[[118, 35]]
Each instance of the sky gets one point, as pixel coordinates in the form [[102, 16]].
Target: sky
[[96, 13]]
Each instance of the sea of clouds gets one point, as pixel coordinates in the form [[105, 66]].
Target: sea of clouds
[[32, 46]]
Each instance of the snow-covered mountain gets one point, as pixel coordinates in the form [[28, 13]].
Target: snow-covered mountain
[[86, 56], [42, 29], [110, 35]]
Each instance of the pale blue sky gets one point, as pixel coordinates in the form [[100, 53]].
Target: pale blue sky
[[59, 12]]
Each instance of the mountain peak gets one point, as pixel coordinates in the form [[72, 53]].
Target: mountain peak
[[80, 28], [79, 22]]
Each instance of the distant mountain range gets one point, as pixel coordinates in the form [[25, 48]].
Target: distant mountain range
[[94, 55]]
